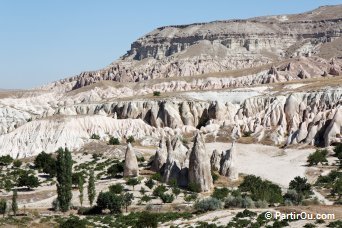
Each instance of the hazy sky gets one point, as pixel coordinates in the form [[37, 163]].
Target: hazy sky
[[42, 41]]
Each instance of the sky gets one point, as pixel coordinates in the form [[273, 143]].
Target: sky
[[42, 41]]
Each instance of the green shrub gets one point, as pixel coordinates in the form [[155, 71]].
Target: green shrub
[[115, 169], [141, 159], [130, 139], [46, 163], [156, 93], [190, 197], [149, 183], [261, 189], [294, 197], [95, 210], [261, 204], [95, 136], [247, 133], [17, 163], [159, 190], [176, 191], [214, 176], [208, 204], [74, 221], [335, 224], [147, 219], [156, 177], [245, 213], [167, 198], [133, 182], [338, 151], [233, 201], [5, 160], [194, 187], [319, 156], [116, 188], [146, 198], [220, 193], [110, 201], [27, 180], [247, 202], [301, 185], [114, 141]]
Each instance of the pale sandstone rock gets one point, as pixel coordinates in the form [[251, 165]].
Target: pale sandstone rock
[[199, 166], [131, 168], [228, 163], [215, 160]]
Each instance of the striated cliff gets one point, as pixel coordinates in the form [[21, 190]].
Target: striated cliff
[[276, 79], [187, 50]]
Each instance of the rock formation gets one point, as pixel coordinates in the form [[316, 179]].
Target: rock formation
[[228, 163], [215, 160], [172, 167], [131, 168], [334, 130], [160, 156], [199, 166]]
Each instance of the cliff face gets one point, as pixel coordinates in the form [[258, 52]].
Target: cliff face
[[187, 50]]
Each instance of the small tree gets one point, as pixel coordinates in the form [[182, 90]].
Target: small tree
[[64, 178], [132, 182], [3, 207], [301, 185], [116, 188], [76, 179], [14, 202], [29, 181], [81, 188], [110, 201], [319, 156], [91, 188], [127, 200], [149, 183]]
